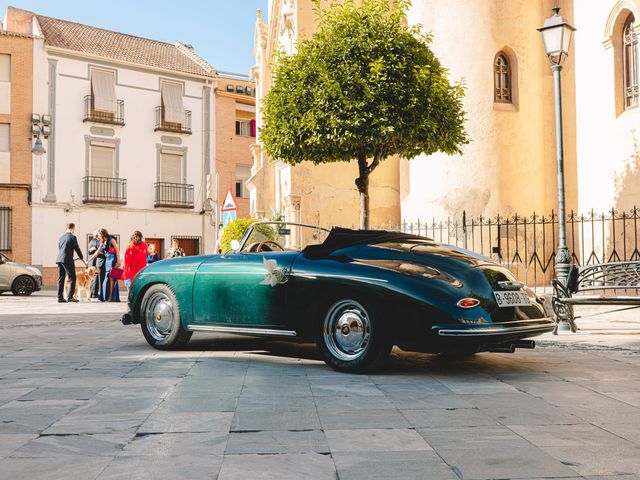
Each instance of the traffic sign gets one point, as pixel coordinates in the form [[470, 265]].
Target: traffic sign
[[229, 202], [228, 217]]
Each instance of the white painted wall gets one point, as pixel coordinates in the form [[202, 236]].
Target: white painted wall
[[606, 153], [140, 90]]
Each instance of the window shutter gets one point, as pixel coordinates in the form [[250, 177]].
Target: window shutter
[[5, 68], [172, 102], [103, 86], [101, 161], [253, 128], [170, 168], [4, 137]]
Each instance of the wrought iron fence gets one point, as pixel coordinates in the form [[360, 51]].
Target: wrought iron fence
[[104, 190], [176, 195], [527, 244]]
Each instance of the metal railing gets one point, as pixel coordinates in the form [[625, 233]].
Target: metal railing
[[176, 195], [527, 244], [99, 116], [104, 190], [164, 126]]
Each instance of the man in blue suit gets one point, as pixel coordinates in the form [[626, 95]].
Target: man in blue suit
[[67, 245]]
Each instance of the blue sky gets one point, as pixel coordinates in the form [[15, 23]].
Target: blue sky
[[220, 30]]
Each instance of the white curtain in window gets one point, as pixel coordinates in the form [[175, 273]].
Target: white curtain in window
[[172, 102], [4, 137], [171, 168], [103, 86], [5, 68], [102, 159]]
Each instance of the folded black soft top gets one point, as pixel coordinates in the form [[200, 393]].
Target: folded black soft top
[[345, 237]]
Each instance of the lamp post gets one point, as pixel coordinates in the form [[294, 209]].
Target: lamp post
[[40, 127], [556, 35]]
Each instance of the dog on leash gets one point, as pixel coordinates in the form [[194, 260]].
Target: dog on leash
[[83, 284]]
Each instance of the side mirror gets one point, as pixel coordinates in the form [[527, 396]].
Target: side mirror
[[235, 245]]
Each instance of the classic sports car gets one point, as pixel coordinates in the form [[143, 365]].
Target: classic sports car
[[356, 293]]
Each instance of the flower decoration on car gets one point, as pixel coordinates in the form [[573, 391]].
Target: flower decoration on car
[[275, 275]]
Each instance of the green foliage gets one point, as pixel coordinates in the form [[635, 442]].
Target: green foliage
[[235, 230], [363, 86]]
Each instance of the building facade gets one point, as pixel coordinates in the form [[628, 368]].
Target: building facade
[[510, 164], [235, 133], [131, 139], [16, 74]]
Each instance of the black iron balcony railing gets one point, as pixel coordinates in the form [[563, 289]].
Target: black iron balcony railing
[[175, 195], [165, 126], [104, 190], [91, 114]]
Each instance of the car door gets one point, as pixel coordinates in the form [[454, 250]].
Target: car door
[[5, 275], [228, 291]]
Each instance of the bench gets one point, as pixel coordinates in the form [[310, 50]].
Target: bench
[[590, 279]]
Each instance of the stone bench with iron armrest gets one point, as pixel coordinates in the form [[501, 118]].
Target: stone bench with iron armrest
[[588, 281]]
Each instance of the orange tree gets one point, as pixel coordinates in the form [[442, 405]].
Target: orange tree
[[363, 87]]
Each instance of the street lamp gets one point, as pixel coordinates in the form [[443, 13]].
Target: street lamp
[[40, 126], [556, 35]]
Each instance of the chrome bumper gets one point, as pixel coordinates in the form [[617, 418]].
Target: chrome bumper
[[522, 327]]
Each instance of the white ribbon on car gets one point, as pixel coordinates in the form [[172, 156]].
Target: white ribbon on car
[[275, 275]]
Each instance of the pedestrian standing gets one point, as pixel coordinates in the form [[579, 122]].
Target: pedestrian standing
[[152, 255], [175, 250], [110, 291], [96, 259], [67, 245], [135, 256]]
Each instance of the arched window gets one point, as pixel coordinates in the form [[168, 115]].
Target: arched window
[[630, 62], [502, 79]]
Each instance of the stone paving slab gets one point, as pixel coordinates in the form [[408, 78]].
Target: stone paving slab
[[74, 404]]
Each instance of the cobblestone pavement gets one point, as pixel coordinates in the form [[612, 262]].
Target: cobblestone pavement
[[83, 398]]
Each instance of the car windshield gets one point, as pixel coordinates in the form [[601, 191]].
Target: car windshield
[[4, 258], [281, 236]]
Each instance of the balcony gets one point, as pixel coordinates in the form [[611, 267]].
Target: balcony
[[104, 190], [99, 116], [163, 126], [173, 195]]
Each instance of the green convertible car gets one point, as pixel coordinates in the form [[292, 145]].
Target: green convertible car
[[356, 293]]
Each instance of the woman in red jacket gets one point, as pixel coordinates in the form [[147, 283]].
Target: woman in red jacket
[[135, 257]]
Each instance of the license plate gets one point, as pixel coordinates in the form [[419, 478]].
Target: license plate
[[512, 299]]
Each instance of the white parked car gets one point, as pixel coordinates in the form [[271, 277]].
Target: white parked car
[[18, 278]]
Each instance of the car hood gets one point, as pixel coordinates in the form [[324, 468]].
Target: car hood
[[16, 265]]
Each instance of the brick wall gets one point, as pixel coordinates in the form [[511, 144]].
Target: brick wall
[[232, 149], [21, 50]]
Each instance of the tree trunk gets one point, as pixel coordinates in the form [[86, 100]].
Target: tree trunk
[[362, 182]]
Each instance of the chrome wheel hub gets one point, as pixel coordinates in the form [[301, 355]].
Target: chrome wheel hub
[[159, 316], [347, 330]]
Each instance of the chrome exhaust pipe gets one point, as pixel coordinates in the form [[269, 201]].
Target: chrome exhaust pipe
[[507, 348], [525, 344]]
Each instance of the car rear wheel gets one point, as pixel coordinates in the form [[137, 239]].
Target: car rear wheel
[[160, 319], [352, 337], [23, 286]]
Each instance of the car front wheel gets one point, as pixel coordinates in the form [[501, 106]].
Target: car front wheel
[[352, 337], [23, 286], [160, 319]]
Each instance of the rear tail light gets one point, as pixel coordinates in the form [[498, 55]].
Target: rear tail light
[[468, 303]]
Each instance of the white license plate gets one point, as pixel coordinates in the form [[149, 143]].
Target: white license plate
[[512, 299]]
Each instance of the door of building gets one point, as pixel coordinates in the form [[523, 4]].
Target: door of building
[[158, 244], [190, 245]]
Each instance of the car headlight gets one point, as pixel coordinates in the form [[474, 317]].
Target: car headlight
[[35, 271]]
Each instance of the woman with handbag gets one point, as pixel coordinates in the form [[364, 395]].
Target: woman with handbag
[[110, 291], [135, 257]]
